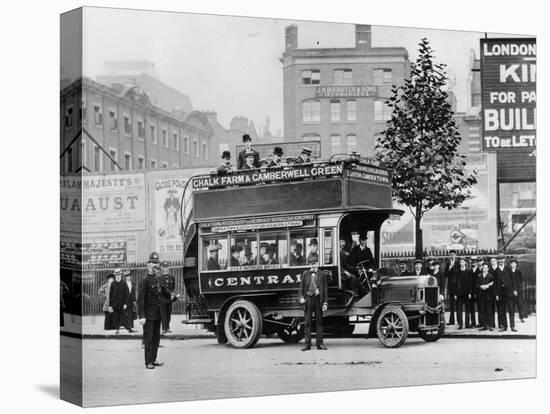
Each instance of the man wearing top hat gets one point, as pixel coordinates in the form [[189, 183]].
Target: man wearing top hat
[[313, 256], [361, 252], [312, 293], [241, 160], [118, 300], [276, 160], [304, 157], [169, 282], [225, 167], [151, 294]]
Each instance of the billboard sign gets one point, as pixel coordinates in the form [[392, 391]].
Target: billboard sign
[[508, 94]]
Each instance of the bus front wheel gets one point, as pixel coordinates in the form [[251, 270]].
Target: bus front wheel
[[243, 324]]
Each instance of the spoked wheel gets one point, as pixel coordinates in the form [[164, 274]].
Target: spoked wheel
[[433, 335], [293, 333], [392, 327], [243, 324]]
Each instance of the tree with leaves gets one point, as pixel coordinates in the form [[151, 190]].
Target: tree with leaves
[[419, 145]]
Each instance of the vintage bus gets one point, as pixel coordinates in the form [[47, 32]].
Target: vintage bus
[[253, 233]]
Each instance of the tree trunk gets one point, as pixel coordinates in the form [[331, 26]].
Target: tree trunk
[[418, 233]]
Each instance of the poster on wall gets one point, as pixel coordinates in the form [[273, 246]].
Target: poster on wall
[[99, 250]]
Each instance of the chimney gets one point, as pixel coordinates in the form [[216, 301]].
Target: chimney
[[363, 37], [239, 123], [291, 38]]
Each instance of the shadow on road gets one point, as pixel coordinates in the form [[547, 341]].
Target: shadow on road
[[49, 389]]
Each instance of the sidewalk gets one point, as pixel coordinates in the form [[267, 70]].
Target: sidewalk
[[92, 327]]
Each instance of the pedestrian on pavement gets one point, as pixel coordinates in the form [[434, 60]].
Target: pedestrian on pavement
[[304, 157], [451, 265], [104, 291], [473, 303], [493, 269], [312, 292], [241, 160], [151, 292], [129, 314], [440, 277], [403, 271], [461, 290], [518, 283], [418, 271], [485, 285], [169, 282], [505, 288], [118, 300]]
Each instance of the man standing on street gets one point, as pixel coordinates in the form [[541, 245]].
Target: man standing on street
[[505, 290], [169, 282], [517, 279], [461, 290], [313, 291], [485, 285], [130, 313], [151, 293], [118, 301], [451, 266]]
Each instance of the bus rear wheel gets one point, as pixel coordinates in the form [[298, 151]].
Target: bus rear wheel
[[392, 327], [243, 324]]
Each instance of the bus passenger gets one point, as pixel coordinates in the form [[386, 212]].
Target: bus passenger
[[235, 255], [226, 166], [296, 258], [249, 161], [213, 263], [313, 256], [276, 160], [241, 161], [268, 258], [361, 252], [304, 157]]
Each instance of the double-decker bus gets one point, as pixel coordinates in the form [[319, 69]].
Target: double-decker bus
[[254, 233]]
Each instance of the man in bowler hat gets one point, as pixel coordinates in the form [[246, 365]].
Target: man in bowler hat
[[276, 159], [241, 161], [225, 167]]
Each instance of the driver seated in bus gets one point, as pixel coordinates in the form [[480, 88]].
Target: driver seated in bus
[[235, 255], [313, 256], [296, 257], [268, 258], [213, 263]]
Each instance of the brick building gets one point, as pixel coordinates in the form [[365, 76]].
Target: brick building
[[336, 95]]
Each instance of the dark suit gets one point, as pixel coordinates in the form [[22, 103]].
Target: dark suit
[[349, 281], [273, 164], [118, 297], [440, 277], [241, 159], [151, 294], [212, 264], [297, 261], [473, 302], [169, 282], [314, 289], [460, 286], [450, 268], [300, 160], [225, 168], [486, 300], [130, 313], [518, 283], [504, 290], [358, 255]]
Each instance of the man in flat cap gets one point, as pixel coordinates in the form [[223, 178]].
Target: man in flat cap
[[118, 300], [225, 167], [276, 160], [151, 294], [241, 161], [417, 267], [305, 156], [169, 282]]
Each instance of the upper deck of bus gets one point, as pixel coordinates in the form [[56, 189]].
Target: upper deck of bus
[[322, 186]]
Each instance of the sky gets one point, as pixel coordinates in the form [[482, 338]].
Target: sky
[[231, 64]]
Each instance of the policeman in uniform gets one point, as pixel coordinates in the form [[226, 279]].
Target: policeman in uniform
[[151, 294], [169, 282]]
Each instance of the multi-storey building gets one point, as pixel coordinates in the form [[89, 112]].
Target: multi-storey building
[[336, 95]]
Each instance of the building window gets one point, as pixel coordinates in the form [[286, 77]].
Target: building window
[[164, 165], [382, 76], [196, 147], [141, 162], [186, 144], [176, 141], [382, 112], [351, 142], [70, 159], [69, 117], [311, 77], [113, 160], [343, 77], [165, 138], [351, 110], [97, 159], [98, 116], [83, 110], [153, 134], [127, 125], [141, 129], [335, 143], [204, 150], [153, 164], [113, 121], [127, 161], [311, 111], [311, 137], [334, 110]]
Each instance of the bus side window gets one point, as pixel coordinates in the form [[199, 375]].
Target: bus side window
[[304, 247], [247, 247], [273, 248], [328, 246], [214, 254]]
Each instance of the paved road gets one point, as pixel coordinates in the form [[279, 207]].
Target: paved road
[[201, 369]]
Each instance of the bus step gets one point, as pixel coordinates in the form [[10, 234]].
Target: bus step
[[196, 321]]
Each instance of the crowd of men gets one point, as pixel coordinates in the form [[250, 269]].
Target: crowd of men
[[249, 158], [477, 287]]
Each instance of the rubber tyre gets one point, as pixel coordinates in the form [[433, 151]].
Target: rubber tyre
[[243, 324], [291, 337], [392, 327], [432, 336]]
